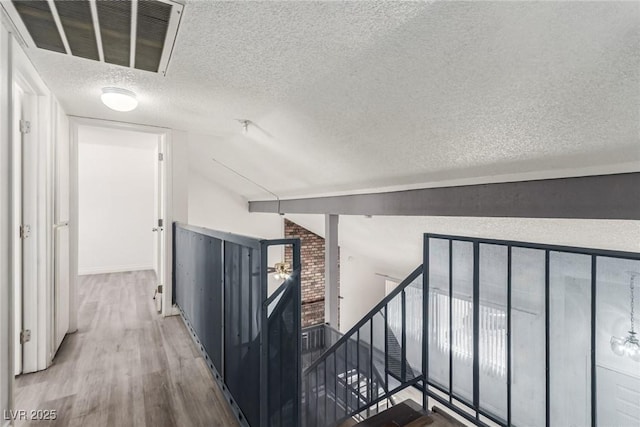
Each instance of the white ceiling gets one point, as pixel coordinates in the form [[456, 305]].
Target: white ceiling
[[376, 94]]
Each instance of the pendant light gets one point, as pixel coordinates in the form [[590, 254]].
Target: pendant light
[[629, 345]]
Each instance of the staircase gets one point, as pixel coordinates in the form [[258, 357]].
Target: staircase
[[406, 414], [357, 376]]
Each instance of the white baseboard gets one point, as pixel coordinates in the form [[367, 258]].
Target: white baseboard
[[114, 269], [175, 311]]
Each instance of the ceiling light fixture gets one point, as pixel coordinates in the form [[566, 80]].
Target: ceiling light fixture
[[119, 99], [628, 346], [282, 270]]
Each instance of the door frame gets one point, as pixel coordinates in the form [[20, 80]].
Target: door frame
[[165, 138], [37, 312]]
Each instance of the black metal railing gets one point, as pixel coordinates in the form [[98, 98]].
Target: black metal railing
[[518, 333], [368, 364], [251, 341], [316, 340], [499, 332]]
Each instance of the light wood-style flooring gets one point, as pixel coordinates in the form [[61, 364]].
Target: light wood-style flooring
[[126, 365]]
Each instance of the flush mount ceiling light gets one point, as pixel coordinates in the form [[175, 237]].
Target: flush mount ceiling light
[[628, 346], [119, 99]]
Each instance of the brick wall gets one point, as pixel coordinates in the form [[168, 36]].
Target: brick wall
[[312, 277]]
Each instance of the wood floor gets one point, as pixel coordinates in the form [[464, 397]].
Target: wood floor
[[126, 365]]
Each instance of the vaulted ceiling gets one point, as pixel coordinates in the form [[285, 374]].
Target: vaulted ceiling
[[357, 95]]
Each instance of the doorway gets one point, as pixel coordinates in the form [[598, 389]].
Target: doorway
[[120, 203]]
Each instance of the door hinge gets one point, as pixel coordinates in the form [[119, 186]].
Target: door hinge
[[25, 126], [159, 289], [160, 157], [160, 222], [25, 231], [25, 336]]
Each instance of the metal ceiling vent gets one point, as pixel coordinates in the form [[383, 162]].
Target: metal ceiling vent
[[138, 34]]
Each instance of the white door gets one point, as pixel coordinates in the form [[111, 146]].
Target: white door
[[159, 227], [25, 218]]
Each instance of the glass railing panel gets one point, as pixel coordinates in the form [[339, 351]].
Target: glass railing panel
[[413, 328], [570, 338], [462, 320], [439, 316], [492, 342], [617, 361], [527, 337]]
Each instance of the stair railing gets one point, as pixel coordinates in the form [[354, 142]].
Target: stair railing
[[375, 359]]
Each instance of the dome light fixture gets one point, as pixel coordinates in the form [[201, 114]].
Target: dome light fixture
[[119, 99]]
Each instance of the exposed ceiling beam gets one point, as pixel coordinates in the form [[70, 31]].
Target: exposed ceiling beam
[[591, 197]]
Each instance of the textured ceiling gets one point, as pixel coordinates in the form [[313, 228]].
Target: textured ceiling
[[374, 94]]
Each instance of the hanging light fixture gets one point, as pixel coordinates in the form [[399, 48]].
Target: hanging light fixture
[[245, 125], [119, 99], [628, 346], [282, 270]]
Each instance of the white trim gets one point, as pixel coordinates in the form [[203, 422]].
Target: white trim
[[165, 146], [175, 311], [167, 186], [16, 26], [172, 34], [114, 269], [59, 271], [96, 28], [134, 31], [56, 19], [73, 227]]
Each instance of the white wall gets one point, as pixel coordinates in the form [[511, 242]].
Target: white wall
[[116, 185], [213, 206], [5, 277], [360, 287], [180, 176], [393, 245]]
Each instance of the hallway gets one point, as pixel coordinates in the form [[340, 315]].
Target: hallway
[[126, 365]]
